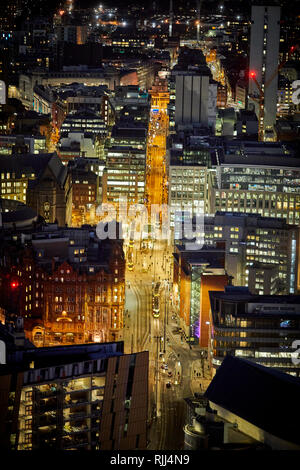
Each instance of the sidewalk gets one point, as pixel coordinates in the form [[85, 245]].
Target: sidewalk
[[200, 376]]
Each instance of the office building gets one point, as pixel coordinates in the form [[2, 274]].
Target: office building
[[80, 74], [83, 121], [125, 170], [190, 171], [259, 178], [196, 99], [60, 100], [260, 328], [130, 95], [195, 274], [196, 92], [264, 58], [261, 252], [10, 144]]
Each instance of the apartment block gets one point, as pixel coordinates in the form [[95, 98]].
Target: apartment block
[[83, 397]]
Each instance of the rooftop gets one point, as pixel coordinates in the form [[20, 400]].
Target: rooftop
[[263, 396], [242, 294]]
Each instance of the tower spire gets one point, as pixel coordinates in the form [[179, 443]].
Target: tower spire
[[171, 19]]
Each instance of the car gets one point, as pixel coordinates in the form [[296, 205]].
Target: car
[[170, 374], [168, 384]]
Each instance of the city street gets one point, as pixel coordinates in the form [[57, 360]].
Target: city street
[[171, 361], [175, 370]]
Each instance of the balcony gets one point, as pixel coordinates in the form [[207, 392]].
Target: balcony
[[72, 443], [51, 393], [76, 415], [69, 429], [72, 403], [44, 420]]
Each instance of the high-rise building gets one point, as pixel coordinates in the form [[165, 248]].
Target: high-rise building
[[125, 170], [260, 178], [190, 171], [195, 273], [264, 57], [254, 244], [81, 397], [196, 99], [260, 328], [196, 92]]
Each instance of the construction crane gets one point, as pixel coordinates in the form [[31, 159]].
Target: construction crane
[[198, 23], [171, 19], [261, 98]]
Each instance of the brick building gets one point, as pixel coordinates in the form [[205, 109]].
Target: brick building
[[67, 284], [195, 274], [85, 193]]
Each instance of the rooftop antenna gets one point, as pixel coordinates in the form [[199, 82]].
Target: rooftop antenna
[[171, 19]]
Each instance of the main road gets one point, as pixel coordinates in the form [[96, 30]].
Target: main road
[[173, 365], [175, 370]]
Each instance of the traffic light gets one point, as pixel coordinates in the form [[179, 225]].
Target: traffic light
[[252, 74]]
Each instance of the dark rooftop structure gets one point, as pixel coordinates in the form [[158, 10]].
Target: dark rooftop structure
[[264, 397], [58, 355], [268, 154], [237, 293], [32, 164], [211, 257]]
